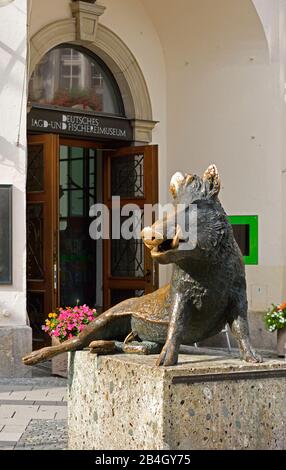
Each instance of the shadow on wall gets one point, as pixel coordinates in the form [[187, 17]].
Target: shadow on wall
[[15, 56], [10, 155], [9, 152]]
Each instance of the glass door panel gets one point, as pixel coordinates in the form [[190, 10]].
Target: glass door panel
[[130, 173], [80, 177]]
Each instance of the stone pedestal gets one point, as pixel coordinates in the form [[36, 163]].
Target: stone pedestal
[[15, 342], [206, 402]]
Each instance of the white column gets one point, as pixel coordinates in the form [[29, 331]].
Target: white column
[[15, 336]]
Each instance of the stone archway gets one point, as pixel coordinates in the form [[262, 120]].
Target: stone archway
[[116, 55]]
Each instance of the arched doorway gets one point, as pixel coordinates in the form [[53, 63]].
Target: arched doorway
[[80, 153]]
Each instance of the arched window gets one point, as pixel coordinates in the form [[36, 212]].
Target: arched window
[[69, 77]]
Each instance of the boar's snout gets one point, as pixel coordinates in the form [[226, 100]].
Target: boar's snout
[[152, 237], [161, 241]]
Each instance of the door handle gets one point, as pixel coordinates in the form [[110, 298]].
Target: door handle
[[153, 273], [55, 259], [55, 277], [148, 274]]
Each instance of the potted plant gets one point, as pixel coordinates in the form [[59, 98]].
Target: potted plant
[[64, 324], [275, 319]]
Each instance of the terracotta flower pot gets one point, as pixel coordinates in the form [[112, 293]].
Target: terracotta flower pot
[[59, 363], [281, 342]]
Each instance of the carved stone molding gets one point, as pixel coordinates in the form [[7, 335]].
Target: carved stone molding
[[87, 16], [116, 55], [143, 130], [50, 36]]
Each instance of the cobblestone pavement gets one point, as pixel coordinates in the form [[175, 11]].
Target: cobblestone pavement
[[44, 434], [33, 412]]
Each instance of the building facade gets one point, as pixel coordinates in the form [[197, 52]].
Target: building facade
[[110, 98]]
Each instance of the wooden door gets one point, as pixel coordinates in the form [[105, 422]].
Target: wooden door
[[42, 232], [128, 270]]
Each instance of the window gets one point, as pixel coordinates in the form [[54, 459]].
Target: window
[[69, 77], [245, 229]]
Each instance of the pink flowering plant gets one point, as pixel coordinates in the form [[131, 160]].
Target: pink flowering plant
[[68, 322]]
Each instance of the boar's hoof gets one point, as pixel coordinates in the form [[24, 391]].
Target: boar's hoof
[[168, 356], [252, 356]]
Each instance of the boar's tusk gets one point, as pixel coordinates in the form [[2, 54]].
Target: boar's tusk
[[176, 239]]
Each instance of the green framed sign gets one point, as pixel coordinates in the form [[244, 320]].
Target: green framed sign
[[245, 228]]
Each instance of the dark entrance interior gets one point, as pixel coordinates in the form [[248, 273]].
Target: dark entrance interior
[[79, 255]]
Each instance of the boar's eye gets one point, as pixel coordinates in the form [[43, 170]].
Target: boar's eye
[[176, 181]]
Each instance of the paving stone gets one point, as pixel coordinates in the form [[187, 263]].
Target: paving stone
[[44, 435], [15, 428], [40, 394], [38, 447], [10, 436], [50, 403], [14, 387], [6, 445], [40, 400], [20, 410], [6, 411], [34, 383], [5, 395], [57, 394], [5, 388], [18, 395], [62, 414], [15, 420], [46, 412], [29, 402], [17, 402], [21, 418]]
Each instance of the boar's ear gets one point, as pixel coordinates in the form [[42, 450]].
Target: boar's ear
[[189, 179], [176, 181], [211, 180]]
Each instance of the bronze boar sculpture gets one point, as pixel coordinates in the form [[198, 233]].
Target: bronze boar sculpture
[[206, 292]]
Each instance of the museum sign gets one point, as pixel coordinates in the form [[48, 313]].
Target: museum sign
[[86, 125]]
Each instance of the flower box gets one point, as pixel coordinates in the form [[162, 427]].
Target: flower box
[[66, 323]]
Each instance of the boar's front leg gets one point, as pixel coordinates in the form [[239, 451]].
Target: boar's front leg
[[170, 352]]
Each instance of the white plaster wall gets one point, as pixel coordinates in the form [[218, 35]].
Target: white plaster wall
[[224, 107], [268, 13], [13, 150], [43, 13]]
